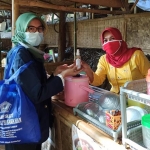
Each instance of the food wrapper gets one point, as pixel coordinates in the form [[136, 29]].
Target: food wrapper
[[112, 121]]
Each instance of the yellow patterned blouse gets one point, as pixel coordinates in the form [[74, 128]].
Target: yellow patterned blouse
[[136, 68]]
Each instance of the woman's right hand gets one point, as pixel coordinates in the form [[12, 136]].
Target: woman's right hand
[[88, 71], [85, 66]]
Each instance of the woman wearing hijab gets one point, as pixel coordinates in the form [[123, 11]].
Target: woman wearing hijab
[[120, 63], [34, 82]]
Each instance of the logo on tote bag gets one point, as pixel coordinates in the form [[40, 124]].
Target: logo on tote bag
[[5, 107], [7, 118]]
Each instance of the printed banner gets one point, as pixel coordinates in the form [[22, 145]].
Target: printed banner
[[82, 141]]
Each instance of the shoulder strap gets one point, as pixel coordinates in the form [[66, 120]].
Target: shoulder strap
[[11, 59], [19, 71], [9, 65]]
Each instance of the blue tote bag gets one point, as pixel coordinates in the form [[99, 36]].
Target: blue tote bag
[[18, 118]]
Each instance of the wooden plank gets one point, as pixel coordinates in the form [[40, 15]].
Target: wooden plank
[[108, 3], [58, 131], [30, 9], [4, 7], [63, 8]]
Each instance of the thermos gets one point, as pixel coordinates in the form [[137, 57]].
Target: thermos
[[77, 90]]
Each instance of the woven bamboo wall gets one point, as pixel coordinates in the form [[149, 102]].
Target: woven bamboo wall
[[89, 31], [135, 30], [138, 31], [51, 36]]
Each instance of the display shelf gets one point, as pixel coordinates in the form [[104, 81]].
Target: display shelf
[[134, 90], [113, 133]]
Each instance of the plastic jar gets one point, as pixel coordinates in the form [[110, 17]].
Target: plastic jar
[[146, 130]]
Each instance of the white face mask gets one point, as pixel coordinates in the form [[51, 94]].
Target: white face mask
[[33, 39]]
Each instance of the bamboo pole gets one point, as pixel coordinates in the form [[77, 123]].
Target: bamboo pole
[[63, 8]]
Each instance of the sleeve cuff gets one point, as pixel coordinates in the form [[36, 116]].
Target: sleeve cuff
[[59, 75]]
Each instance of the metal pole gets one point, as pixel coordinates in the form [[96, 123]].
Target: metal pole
[[123, 115], [75, 33]]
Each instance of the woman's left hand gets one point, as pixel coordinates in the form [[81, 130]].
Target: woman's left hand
[[60, 68], [71, 71]]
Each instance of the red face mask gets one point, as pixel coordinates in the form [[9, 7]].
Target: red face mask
[[111, 47]]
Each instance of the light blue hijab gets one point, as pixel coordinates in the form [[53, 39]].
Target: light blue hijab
[[21, 27]]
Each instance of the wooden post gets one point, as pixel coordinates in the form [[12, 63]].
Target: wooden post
[[134, 5], [62, 37], [15, 14]]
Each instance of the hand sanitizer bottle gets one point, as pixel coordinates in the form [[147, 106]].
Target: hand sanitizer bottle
[[78, 59]]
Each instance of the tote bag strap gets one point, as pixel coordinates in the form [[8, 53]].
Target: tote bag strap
[[9, 65], [19, 71]]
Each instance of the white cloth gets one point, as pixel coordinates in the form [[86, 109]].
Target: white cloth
[[2, 26], [59, 75]]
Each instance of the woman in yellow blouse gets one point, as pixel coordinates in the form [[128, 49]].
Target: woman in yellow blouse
[[120, 63]]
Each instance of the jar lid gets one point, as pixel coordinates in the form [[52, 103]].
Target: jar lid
[[80, 78], [146, 120]]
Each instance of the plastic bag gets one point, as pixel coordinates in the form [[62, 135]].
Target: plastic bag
[[109, 101]]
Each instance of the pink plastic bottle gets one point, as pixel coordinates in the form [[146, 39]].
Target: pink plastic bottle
[[148, 82], [148, 89]]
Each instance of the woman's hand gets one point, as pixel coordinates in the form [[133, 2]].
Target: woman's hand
[[85, 66], [70, 71], [88, 71], [60, 68]]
